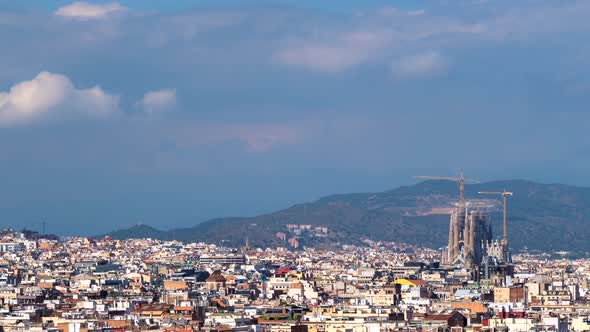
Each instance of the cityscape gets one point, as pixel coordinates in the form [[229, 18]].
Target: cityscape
[[475, 283], [294, 166]]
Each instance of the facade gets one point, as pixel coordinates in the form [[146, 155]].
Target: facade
[[222, 259], [11, 246], [471, 244], [509, 294], [469, 234]]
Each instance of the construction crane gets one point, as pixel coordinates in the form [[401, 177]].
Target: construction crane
[[504, 195], [459, 179]]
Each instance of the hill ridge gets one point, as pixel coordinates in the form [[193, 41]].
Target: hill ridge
[[540, 216]]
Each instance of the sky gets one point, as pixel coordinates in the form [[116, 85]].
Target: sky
[[169, 113]]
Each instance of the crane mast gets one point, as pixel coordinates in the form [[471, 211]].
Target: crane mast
[[504, 194], [459, 179]]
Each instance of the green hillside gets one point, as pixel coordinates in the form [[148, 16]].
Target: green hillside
[[541, 216]]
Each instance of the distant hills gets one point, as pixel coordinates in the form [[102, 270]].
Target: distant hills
[[540, 216]]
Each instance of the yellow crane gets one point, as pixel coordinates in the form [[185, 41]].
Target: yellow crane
[[504, 195], [459, 179]]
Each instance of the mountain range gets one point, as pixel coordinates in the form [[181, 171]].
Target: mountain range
[[546, 217]]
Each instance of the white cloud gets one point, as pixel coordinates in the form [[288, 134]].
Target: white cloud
[[346, 51], [416, 12], [416, 65], [393, 11], [254, 137], [49, 93], [319, 57], [160, 100], [371, 38], [85, 10], [264, 138]]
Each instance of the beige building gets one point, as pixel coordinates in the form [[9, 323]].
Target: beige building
[[508, 294]]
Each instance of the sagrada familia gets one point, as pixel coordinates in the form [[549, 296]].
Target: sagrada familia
[[472, 247]]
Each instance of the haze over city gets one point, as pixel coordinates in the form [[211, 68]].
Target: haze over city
[[171, 113]]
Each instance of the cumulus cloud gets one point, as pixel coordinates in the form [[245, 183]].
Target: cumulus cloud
[[84, 10], [161, 100], [51, 93], [418, 65]]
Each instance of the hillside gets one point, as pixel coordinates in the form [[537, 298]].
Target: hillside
[[540, 216]]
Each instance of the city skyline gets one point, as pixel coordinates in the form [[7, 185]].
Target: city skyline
[[294, 166]]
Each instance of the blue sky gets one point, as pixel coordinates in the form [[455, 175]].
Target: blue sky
[[162, 6], [115, 113]]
